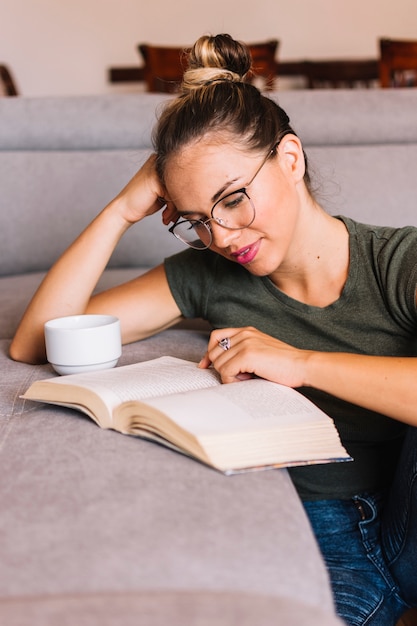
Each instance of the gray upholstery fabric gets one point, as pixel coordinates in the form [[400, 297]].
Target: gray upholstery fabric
[[201, 608], [66, 190], [322, 117], [79, 123], [71, 156], [352, 116], [91, 511], [100, 528], [370, 183]]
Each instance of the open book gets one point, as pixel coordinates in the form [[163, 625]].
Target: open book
[[253, 424]]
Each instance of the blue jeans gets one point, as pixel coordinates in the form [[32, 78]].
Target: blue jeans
[[369, 544]]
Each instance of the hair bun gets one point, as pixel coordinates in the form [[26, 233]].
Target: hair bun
[[214, 59]]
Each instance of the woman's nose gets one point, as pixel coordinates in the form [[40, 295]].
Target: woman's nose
[[223, 237]]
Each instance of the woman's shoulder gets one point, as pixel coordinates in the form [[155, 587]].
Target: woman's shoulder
[[389, 251], [377, 231], [389, 254]]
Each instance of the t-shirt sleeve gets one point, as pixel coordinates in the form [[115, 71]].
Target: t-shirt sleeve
[[190, 275], [397, 262]]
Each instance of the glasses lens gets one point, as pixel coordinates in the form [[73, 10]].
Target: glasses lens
[[234, 211], [194, 233]]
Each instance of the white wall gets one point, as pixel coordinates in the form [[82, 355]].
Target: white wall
[[56, 47]]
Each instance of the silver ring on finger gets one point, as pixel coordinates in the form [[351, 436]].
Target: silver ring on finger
[[225, 343]]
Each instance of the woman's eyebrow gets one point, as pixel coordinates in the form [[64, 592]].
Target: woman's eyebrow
[[194, 212], [221, 191], [214, 199]]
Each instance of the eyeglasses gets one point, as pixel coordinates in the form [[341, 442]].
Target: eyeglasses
[[233, 211]]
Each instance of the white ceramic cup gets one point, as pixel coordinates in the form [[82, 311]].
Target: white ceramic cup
[[82, 343]]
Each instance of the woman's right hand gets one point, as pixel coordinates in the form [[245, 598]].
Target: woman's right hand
[[144, 195]]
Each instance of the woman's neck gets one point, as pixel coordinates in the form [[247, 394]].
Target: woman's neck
[[317, 265]]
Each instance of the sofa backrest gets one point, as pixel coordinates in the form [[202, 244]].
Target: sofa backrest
[[362, 146], [63, 159]]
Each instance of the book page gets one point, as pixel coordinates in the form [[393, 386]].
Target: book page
[[140, 381], [248, 405], [245, 424]]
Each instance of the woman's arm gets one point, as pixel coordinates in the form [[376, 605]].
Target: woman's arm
[[387, 385], [144, 305]]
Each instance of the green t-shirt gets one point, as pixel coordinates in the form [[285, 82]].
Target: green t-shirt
[[376, 314]]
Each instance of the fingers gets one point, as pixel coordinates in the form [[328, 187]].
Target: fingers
[[220, 341], [241, 353], [161, 199], [217, 336], [169, 213], [228, 352], [205, 362]]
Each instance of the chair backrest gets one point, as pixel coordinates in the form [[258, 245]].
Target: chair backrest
[[8, 84], [264, 62], [164, 66], [398, 63], [341, 73]]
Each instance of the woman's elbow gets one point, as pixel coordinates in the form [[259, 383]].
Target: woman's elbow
[[23, 353]]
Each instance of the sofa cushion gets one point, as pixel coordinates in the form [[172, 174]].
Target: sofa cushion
[[86, 510], [160, 608], [102, 122], [63, 159], [17, 291], [49, 197]]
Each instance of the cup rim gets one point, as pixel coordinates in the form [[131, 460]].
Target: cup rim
[[69, 322]]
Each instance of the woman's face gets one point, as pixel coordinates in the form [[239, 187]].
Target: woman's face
[[208, 170]]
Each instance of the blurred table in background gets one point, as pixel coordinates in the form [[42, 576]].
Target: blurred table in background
[[310, 74]]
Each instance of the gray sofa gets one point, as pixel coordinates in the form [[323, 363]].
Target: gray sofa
[[100, 528]]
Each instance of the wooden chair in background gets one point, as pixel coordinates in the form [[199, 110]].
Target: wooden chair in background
[[8, 85], [164, 66], [398, 63], [264, 62], [341, 73]]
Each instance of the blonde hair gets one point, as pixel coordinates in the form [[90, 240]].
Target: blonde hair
[[218, 58]]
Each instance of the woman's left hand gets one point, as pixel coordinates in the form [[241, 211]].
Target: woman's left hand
[[382, 384], [253, 353]]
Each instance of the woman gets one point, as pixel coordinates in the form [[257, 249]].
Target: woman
[[296, 296]]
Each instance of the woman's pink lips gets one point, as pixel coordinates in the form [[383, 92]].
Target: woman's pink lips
[[247, 254]]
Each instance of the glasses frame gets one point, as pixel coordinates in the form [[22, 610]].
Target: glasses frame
[[206, 221]]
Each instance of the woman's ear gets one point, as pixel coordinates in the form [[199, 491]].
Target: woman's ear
[[291, 155]]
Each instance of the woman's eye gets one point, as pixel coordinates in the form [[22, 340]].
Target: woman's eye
[[233, 201], [199, 226], [194, 217]]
